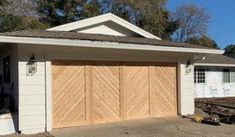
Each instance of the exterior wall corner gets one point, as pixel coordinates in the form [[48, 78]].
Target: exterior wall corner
[[185, 89]]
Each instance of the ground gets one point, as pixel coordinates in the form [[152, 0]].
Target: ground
[[158, 127], [223, 101], [35, 135]]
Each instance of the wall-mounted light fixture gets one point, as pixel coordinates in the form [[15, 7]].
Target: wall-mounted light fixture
[[188, 63], [188, 66], [31, 66]]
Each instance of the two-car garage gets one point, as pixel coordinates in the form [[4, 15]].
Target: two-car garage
[[89, 92]]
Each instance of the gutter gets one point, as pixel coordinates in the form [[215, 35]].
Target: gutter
[[102, 44], [214, 64]]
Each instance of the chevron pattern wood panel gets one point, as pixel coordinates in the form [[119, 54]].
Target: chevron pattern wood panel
[[95, 92], [136, 90], [163, 90], [106, 92], [68, 94]]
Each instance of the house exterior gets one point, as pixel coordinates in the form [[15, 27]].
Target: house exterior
[[214, 77], [98, 70]]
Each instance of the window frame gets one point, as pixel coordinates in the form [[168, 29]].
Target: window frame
[[231, 75], [200, 75]]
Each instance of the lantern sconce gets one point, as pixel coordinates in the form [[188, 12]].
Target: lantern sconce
[[31, 66], [188, 66]]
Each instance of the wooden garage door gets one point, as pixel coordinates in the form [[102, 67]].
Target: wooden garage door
[[136, 90], [69, 94], [97, 92]]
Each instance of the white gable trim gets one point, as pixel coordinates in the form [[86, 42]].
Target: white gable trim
[[100, 19], [99, 44]]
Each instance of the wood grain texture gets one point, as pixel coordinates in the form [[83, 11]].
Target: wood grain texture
[[163, 90], [68, 94], [106, 92], [136, 89], [89, 92]]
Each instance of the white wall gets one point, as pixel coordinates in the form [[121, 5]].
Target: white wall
[[35, 91], [7, 126], [185, 86], [31, 95], [107, 28], [214, 86]]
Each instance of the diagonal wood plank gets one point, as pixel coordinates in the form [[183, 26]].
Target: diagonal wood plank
[[68, 94], [163, 89], [95, 92], [106, 92], [136, 90]]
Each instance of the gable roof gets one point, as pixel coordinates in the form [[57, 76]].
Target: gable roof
[[215, 60], [109, 17], [60, 38], [98, 37]]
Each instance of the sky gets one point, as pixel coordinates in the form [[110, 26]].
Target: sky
[[222, 25]]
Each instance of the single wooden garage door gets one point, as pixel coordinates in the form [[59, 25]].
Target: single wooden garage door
[[97, 92]]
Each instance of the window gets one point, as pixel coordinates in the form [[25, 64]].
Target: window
[[6, 70], [232, 77], [228, 75], [199, 75]]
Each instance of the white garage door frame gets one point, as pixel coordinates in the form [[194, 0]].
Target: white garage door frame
[[181, 98]]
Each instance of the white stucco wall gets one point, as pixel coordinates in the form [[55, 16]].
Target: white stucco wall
[[214, 86], [35, 91]]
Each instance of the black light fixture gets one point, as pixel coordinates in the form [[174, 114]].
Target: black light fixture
[[31, 66], [33, 59], [188, 66]]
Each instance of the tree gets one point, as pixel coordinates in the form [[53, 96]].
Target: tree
[[10, 21], [57, 12], [230, 51], [203, 41], [193, 22], [2, 2], [151, 15], [22, 8]]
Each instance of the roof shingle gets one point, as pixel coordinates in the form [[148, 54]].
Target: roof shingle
[[97, 37], [216, 59]]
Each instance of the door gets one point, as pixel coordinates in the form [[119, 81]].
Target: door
[[88, 92]]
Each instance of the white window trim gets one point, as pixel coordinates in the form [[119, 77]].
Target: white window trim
[[205, 80], [230, 76]]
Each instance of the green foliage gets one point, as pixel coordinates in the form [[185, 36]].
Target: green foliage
[[230, 51], [3, 2], [57, 12], [203, 41], [9, 22], [31, 23], [151, 15]]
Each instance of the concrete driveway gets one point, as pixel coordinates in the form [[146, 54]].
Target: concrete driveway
[[159, 127]]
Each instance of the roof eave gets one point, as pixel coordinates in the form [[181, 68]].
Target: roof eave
[[214, 64], [102, 44]]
